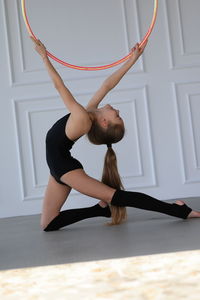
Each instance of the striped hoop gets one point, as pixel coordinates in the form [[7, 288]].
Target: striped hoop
[[98, 67]]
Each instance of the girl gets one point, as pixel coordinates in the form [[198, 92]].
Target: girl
[[103, 126]]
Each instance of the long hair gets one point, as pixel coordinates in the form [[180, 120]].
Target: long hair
[[113, 134]]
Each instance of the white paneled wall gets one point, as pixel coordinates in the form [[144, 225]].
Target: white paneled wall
[[159, 98]]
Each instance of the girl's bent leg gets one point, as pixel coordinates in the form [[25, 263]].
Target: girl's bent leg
[[80, 181], [55, 196], [70, 216]]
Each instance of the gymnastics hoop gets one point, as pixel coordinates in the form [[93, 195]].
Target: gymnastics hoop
[[24, 13]]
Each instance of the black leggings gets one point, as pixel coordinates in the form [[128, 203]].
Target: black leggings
[[143, 201], [120, 198]]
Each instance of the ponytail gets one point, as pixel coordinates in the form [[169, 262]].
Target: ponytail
[[111, 178], [113, 134]]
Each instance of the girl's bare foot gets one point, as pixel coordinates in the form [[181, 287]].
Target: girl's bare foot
[[193, 214]]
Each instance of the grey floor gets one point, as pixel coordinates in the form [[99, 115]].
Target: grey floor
[[23, 244]]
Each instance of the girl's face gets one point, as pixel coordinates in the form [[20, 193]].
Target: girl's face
[[111, 114]]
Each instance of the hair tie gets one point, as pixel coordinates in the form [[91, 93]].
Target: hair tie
[[109, 145]]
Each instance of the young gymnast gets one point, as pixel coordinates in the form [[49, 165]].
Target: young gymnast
[[102, 126]]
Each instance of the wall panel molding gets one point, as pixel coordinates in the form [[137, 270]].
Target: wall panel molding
[[8, 48], [180, 56], [194, 128], [187, 104], [23, 109]]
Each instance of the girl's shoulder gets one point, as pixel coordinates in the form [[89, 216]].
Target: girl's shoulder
[[77, 127]]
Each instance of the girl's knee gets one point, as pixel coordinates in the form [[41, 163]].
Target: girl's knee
[[43, 224], [44, 221]]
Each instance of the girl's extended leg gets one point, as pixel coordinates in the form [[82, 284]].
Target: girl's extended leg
[[140, 200], [81, 182]]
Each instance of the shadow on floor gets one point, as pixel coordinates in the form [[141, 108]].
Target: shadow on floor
[[23, 244]]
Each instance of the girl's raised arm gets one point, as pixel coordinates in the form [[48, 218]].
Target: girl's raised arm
[[76, 110], [114, 78]]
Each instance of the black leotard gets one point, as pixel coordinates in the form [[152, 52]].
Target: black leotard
[[60, 161], [58, 147]]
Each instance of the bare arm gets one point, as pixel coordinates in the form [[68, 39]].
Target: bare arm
[[115, 78], [72, 105], [79, 121]]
